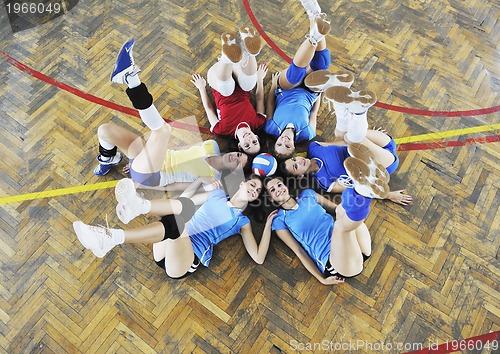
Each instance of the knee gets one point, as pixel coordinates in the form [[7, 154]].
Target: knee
[[164, 130], [175, 272], [247, 82], [104, 130]]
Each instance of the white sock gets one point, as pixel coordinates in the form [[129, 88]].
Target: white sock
[[151, 117], [358, 126], [133, 81], [117, 236], [146, 206], [343, 116]]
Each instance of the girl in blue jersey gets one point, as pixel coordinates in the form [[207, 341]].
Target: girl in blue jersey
[[330, 250], [325, 162], [178, 249], [293, 104]]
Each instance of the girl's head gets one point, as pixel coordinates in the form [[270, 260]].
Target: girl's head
[[251, 188], [233, 160], [248, 141], [284, 147], [296, 166], [276, 189]]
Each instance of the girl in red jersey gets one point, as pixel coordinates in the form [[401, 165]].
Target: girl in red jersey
[[231, 79]]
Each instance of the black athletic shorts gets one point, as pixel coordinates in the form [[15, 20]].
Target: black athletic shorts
[[192, 269], [331, 272]]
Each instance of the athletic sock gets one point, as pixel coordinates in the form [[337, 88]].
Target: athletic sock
[[151, 117], [358, 126], [133, 81], [117, 236]]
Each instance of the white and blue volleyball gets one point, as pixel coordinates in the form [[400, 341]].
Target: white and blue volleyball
[[264, 164]]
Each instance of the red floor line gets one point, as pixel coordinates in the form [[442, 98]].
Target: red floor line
[[127, 110], [182, 125], [421, 112]]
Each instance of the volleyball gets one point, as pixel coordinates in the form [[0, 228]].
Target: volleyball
[[264, 165]]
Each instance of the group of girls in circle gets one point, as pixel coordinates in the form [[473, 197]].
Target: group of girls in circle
[[215, 191]]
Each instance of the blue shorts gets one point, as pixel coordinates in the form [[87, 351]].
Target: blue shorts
[[357, 207], [146, 179], [392, 148], [320, 61]]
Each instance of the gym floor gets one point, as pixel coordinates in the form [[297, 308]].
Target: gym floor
[[434, 274]]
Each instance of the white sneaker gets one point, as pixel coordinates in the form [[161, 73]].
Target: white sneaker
[[363, 153], [98, 239], [319, 29], [320, 80], [130, 205], [312, 7], [356, 102], [231, 52], [364, 182], [251, 40]]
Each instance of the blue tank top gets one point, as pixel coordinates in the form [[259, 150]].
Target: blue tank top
[[213, 222], [310, 225], [332, 166], [292, 106]]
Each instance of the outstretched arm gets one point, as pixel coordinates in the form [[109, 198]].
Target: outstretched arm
[[304, 258], [271, 98], [259, 91], [198, 199], [397, 197], [201, 83], [258, 252]]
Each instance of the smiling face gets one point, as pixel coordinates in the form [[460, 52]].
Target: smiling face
[[297, 166], [285, 144], [248, 141], [251, 189], [232, 160], [277, 191]]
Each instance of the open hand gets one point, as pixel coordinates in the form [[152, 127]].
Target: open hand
[[274, 79], [198, 81], [380, 129], [399, 197], [262, 71], [333, 280]]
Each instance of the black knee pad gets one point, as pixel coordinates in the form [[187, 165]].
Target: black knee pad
[[188, 208], [140, 96], [107, 153], [174, 225]]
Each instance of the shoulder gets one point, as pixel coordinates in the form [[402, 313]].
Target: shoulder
[[244, 222], [218, 194], [308, 193]]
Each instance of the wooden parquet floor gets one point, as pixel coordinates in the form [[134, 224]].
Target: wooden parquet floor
[[434, 275]]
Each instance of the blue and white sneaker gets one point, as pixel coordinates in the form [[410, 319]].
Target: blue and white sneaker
[[124, 65], [105, 166]]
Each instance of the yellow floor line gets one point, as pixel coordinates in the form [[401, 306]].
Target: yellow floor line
[[112, 184], [58, 192], [447, 134]]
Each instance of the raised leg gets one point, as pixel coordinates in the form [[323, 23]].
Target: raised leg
[[345, 251]]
